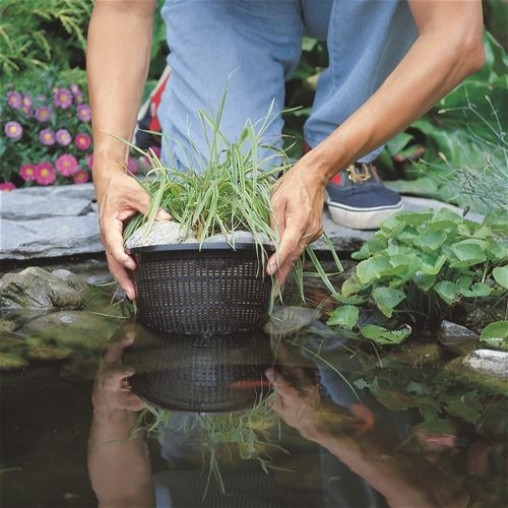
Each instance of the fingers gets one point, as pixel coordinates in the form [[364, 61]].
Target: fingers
[[122, 277], [120, 198], [297, 209], [114, 351]]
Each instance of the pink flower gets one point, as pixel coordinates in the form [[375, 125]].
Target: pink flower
[[82, 141], [132, 165], [62, 98], [63, 137], [42, 113], [27, 172], [66, 164], [89, 160], [27, 101], [84, 113], [45, 173], [7, 186], [13, 130], [47, 137], [14, 99], [81, 176], [75, 89]]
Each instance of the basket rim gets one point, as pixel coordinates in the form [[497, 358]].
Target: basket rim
[[175, 247]]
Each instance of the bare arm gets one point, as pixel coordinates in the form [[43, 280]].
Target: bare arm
[[448, 48], [404, 480], [119, 468], [119, 42]]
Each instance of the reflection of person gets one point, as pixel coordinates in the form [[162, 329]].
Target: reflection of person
[[390, 61], [120, 468], [403, 479]]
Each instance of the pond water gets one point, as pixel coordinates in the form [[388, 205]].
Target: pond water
[[288, 418]]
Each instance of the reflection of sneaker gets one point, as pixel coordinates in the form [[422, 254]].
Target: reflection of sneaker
[[357, 198]]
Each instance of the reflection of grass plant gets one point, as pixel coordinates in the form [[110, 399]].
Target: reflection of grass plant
[[224, 437], [422, 264]]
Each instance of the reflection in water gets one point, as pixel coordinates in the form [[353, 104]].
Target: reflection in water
[[314, 441]]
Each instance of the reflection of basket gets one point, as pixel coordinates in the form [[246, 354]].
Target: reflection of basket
[[197, 373], [188, 288]]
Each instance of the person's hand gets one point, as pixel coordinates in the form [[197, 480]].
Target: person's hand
[[119, 198], [111, 392], [297, 209]]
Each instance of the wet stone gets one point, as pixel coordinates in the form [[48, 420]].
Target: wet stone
[[457, 338], [35, 288], [486, 361], [417, 354]]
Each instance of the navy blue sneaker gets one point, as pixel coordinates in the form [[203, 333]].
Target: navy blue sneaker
[[357, 198]]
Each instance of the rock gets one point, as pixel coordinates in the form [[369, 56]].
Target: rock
[[70, 279], [286, 320], [486, 361], [41, 222], [491, 384], [161, 233], [416, 355], [35, 288], [479, 314], [7, 325], [12, 361], [48, 352], [457, 338], [238, 237], [84, 333]]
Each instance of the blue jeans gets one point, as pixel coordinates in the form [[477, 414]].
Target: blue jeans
[[252, 46]]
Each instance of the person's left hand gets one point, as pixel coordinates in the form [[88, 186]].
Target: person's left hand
[[297, 210]]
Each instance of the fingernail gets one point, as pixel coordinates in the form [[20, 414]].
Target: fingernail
[[130, 264], [270, 375], [271, 268], [163, 215]]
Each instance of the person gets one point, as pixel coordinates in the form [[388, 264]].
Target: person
[[390, 61]]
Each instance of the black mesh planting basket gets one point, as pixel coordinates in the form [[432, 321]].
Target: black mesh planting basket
[[202, 288], [196, 373]]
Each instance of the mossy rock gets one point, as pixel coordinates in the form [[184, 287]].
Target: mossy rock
[[12, 361], [48, 352], [490, 384]]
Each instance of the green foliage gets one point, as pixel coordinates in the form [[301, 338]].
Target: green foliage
[[458, 152], [496, 335], [423, 263], [37, 33]]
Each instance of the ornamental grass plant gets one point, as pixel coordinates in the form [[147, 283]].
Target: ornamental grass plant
[[227, 190]]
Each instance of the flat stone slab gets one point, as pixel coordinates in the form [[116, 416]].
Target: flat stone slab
[[47, 222]]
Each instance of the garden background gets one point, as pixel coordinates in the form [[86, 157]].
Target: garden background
[[456, 153]]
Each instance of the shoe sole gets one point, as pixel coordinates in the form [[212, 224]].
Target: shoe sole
[[361, 218]]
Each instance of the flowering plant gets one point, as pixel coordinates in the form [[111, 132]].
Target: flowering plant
[[45, 138]]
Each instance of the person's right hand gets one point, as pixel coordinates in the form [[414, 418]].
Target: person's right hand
[[119, 197]]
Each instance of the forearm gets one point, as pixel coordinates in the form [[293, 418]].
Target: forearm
[[119, 468], [119, 42], [404, 480], [448, 48]]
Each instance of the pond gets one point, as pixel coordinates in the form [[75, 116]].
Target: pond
[[294, 415]]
